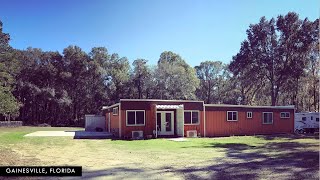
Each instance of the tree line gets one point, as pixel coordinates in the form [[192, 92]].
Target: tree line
[[277, 64]]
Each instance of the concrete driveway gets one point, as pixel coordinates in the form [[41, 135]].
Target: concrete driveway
[[74, 134], [52, 133]]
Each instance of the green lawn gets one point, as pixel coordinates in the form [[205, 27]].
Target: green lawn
[[250, 157]]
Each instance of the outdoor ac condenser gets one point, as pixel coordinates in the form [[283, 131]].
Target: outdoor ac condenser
[[192, 133], [137, 134]]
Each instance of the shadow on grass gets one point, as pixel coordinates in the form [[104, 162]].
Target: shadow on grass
[[273, 160], [279, 160], [288, 136]]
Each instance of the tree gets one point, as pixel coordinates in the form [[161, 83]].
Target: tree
[[77, 63], [95, 88], [275, 51], [140, 77], [8, 69], [117, 78], [210, 74], [175, 78]]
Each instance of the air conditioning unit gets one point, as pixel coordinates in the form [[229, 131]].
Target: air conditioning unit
[[137, 134], [192, 133]]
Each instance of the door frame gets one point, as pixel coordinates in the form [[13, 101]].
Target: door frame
[[163, 119]]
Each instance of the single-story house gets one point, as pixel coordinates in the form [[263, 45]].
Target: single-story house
[[132, 118]]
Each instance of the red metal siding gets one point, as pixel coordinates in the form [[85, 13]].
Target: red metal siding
[[147, 128], [150, 110], [199, 127], [114, 121], [150, 125], [217, 124]]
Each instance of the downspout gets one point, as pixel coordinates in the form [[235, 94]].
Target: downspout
[[120, 119], [294, 119], [154, 107], [109, 122], [204, 120]]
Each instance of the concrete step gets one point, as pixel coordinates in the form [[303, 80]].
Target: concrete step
[[92, 135]]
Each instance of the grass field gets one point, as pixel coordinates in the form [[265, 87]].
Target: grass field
[[245, 157]]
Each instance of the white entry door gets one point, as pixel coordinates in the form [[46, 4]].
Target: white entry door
[[165, 123]]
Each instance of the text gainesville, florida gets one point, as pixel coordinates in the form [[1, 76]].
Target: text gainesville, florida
[[40, 171]]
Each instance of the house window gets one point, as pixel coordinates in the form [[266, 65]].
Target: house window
[[284, 115], [249, 114], [135, 117], [317, 119], [232, 115], [115, 111], [311, 117], [191, 117], [267, 118], [304, 118]]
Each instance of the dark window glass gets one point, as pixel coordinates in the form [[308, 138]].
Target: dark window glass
[[131, 117], [267, 118], [234, 115], [230, 116], [195, 117], [317, 119], [140, 117], [187, 117], [115, 111], [159, 121], [168, 121], [311, 117], [304, 118], [285, 115], [265, 115]]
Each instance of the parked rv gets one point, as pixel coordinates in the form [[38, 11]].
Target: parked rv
[[306, 122]]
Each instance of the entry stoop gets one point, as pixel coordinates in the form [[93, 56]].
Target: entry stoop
[[92, 135]]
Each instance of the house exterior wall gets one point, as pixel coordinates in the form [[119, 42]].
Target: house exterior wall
[[199, 127], [213, 119], [150, 113], [114, 121], [147, 128], [217, 124]]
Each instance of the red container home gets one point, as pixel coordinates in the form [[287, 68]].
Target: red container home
[[170, 118]]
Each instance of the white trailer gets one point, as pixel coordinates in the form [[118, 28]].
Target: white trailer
[[306, 122]]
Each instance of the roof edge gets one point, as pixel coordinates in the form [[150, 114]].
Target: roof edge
[[162, 100], [113, 105], [247, 106]]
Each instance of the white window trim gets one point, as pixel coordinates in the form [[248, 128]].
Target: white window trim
[[135, 119], [284, 117], [115, 108], [191, 117], [232, 116], [249, 112], [263, 118]]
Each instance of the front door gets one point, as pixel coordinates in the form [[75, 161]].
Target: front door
[[165, 123]]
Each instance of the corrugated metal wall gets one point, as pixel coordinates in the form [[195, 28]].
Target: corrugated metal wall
[[217, 124], [94, 121], [199, 127], [114, 122], [147, 128]]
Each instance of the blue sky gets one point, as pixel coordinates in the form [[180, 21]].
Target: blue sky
[[198, 30]]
